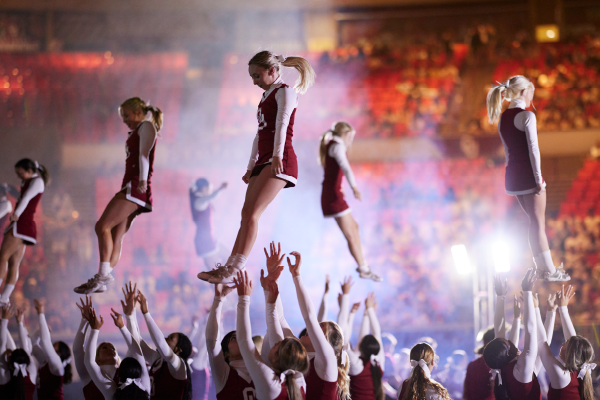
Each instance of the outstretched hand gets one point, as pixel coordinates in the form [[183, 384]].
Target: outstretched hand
[[19, 315], [295, 268], [85, 307], [565, 295], [501, 287], [143, 302], [273, 276], [370, 300], [346, 284], [274, 257], [8, 312], [354, 308], [517, 308], [552, 301], [529, 280], [130, 298], [96, 321], [117, 318], [39, 306], [222, 290], [243, 284]]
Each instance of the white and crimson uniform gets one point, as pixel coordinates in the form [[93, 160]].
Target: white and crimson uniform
[[275, 115], [336, 165], [138, 166], [31, 194], [518, 132]]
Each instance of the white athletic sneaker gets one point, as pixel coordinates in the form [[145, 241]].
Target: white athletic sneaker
[[97, 284], [224, 274], [369, 275], [558, 276], [206, 275]]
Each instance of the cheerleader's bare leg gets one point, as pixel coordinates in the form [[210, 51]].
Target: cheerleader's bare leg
[[534, 206], [262, 190], [118, 233], [11, 254], [118, 211], [351, 232]]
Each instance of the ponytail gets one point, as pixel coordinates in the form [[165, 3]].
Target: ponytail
[[293, 390], [267, 59], [494, 103], [30, 165], [376, 377], [337, 129], [343, 381], [18, 356], [369, 348], [500, 392], [325, 139], [135, 104], [418, 381], [586, 387]]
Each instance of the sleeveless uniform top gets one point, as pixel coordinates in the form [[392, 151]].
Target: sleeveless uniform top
[[333, 203], [236, 388], [25, 228], [8, 391], [164, 385], [317, 388], [132, 148], [284, 396], [570, 392], [518, 390], [91, 391], [477, 381], [361, 385], [51, 386], [519, 172], [267, 117]]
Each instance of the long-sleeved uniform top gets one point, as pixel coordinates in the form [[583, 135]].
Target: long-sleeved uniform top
[[338, 151], [356, 363], [35, 187]]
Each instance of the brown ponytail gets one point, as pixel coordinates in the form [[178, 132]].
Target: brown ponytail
[[135, 104], [30, 165], [293, 390], [291, 356]]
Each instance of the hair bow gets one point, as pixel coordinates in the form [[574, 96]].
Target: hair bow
[[496, 373], [20, 368], [137, 382], [67, 362], [280, 58], [344, 357], [37, 165], [286, 373], [584, 369], [374, 359], [421, 363]]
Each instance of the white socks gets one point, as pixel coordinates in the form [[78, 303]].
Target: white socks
[[239, 261], [104, 269], [544, 261], [364, 268], [8, 289], [230, 260]]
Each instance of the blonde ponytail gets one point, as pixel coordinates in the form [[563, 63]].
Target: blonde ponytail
[[509, 90], [343, 381], [337, 129], [135, 104], [293, 390], [267, 59]]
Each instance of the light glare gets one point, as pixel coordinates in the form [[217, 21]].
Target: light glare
[[461, 259], [501, 257]]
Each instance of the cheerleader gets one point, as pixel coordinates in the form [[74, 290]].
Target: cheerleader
[[133, 379], [106, 356], [514, 370], [228, 369], [273, 165], [420, 384], [201, 198], [332, 154], [478, 383], [501, 289], [55, 362], [289, 360], [570, 377], [169, 371], [5, 204], [518, 132], [368, 363], [135, 196], [22, 229], [346, 316]]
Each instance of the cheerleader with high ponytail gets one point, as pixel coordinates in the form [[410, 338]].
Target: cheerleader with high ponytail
[[135, 195], [333, 158], [273, 164], [22, 230], [518, 132], [419, 384]]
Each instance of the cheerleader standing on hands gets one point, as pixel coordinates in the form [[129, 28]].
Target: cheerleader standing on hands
[[22, 230], [135, 196], [332, 154], [273, 165], [518, 132]]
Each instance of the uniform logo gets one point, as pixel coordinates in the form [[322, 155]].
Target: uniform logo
[[249, 394], [127, 150], [261, 119]]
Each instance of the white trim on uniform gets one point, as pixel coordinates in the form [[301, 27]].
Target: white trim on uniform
[[527, 191], [287, 178], [340, 214], [129, 197], [13, 225]]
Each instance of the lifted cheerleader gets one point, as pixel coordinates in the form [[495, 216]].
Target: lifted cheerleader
[[135, 196]]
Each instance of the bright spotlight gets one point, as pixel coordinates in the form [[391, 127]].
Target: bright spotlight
[[501, 257], [551, 34], [461, 259]]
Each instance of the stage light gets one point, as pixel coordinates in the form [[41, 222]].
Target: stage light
[[461, 259], [547, 33], [501, 257]]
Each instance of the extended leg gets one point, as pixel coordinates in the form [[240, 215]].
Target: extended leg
[[10, 245], [351, 231], [118, 233], [13, 273]]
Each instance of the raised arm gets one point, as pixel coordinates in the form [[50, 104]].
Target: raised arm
[[147, 134], [54, 362], [262, 376], [513, 335], [323, 308], [35, 187], [78, 350], [274, 257], [525, 366], [106, 386], [4, 370], [370, 305], [218, 367], [176, 366], [24, 339], [365, 328], [350, 325], [563, 301], [501, 289], [344, 313]]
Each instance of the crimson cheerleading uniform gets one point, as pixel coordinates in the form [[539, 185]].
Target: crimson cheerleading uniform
[[478, 385], [518, 132], [276, 114], [361, 385], [133, 173], [317, 388], [570, 392], [51, 386], [205, 241], [236, 388], [336, 165], [8, 391], [518, 390], [91, 391], [164, 385], [31, 195]]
